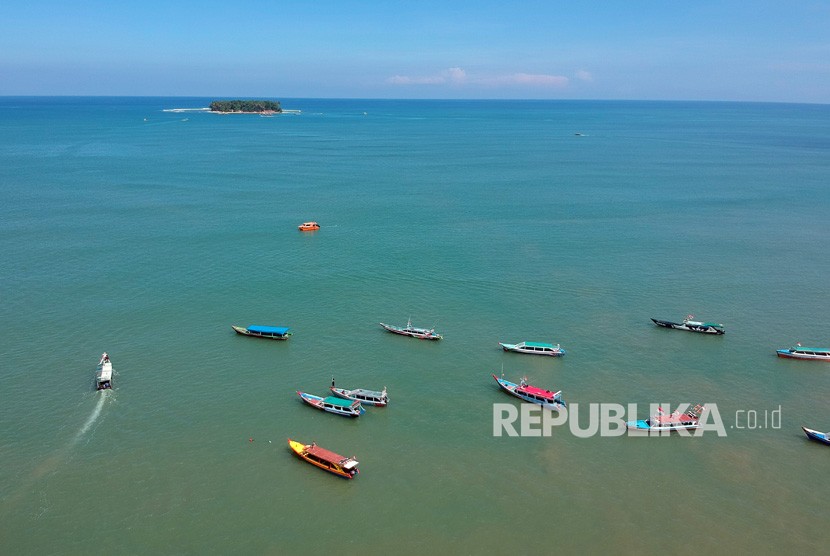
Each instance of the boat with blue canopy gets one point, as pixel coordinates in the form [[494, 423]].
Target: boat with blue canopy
[[534, 348], [809, 353], [268, 332], [333, 404]]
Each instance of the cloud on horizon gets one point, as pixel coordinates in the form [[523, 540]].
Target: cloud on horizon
[[449, 75], [458, 76]]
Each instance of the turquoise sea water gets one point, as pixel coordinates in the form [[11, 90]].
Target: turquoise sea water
[[145, 233]]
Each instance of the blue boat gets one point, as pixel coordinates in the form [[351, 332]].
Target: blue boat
[[822, 437], [269, 332], [807, 353], [332, 404]]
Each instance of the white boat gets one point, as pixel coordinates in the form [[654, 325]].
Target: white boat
[[367, 397], [103, 373], [692, 325], [414, 332], [534, 348]]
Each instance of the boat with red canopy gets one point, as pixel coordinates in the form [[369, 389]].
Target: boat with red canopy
[[325, 459], [546, 398]]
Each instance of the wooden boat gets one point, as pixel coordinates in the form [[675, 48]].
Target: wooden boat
[[308, 226], [414, 332], [540, 396], [103, 373], [662, 423], [332, 404], [269, 332], [692, 325], [368, 397], [325, 459], [811, 354], [822, 437], [534, 348]]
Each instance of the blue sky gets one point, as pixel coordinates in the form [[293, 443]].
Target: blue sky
[[635, 49]]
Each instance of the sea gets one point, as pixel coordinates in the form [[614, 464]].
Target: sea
[[146, 227]]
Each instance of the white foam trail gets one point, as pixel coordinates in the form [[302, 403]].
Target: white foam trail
[[51, 463], [92, 418]]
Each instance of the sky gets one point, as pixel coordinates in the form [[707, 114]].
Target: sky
[[747, 50]]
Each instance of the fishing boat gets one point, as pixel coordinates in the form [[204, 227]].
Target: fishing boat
[[822, 437], [368, 397], [692, 325], [103, 373], [325, 459], [333, 404], [269, 332], [540, 396], [798, 352], [308, 226], [409, 330], [535, 348], [660, 422]]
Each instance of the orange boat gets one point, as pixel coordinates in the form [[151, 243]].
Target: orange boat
[[308, 226], [324, 459]]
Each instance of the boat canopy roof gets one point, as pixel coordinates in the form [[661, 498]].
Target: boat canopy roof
[[279, 330], [538, 344], [537, 391], [338, 401], [327, 455]]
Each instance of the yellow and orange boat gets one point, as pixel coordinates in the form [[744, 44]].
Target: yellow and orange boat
[[325, 459], [308, 226]]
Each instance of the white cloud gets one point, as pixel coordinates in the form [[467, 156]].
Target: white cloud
[[534, 79], [458, 76], [584, 75], [450, 75]]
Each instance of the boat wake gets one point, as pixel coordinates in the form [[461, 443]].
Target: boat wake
[[96, 412], [50, 464]]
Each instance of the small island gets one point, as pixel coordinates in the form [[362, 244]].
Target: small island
[[245, 106]]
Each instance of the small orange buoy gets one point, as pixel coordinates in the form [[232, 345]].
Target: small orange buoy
[[250, 440]]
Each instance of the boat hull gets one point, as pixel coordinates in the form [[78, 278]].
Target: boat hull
[[818, 436], [642, 428]]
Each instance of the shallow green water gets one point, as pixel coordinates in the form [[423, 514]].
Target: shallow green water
[[146, 234]]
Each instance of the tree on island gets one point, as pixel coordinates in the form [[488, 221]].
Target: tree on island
[[245, 106]]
